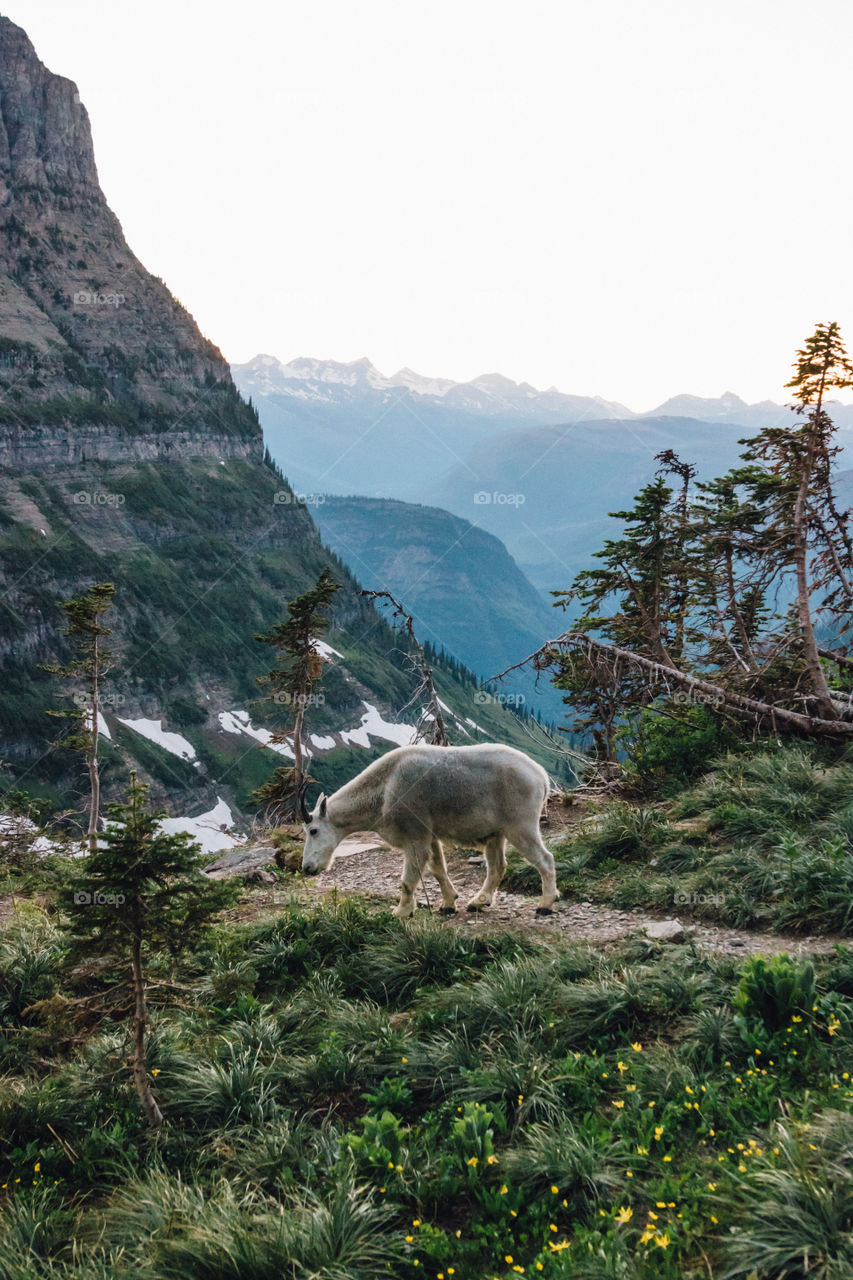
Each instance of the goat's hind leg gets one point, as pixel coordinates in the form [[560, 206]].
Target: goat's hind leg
[[495, 851], [533, 849], [438, 867]]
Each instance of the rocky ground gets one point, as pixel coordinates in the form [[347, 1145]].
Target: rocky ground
[[366, 867]]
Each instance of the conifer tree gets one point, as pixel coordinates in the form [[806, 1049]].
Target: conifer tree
[[683, 600], [87, 667], [298, 668], [139, 892]]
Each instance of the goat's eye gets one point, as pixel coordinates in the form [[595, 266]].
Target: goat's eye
[[313, 831]]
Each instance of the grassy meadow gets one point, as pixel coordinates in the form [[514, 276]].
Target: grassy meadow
[[348, 1096]]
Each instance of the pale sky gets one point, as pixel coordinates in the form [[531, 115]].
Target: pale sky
[[629, 198]]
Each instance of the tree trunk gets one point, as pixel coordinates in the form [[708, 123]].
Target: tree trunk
[[297, 746], [140, 1018], [733, 605], [765, 714], [92, 759], [815, 672]]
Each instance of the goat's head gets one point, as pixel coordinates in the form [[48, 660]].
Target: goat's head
[[321, 839]]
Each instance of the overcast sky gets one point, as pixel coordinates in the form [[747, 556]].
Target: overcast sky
[[629, 198]]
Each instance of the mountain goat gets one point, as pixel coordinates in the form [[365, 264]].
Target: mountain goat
[[417, 796]]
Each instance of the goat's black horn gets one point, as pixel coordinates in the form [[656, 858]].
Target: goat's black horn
[[303, 807]]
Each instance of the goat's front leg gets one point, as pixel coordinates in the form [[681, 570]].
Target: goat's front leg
[[413, 868]]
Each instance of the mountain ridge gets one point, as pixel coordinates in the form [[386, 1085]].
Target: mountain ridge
[[266, 374]]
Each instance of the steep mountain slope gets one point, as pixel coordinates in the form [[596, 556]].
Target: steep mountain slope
[[465, 591], [130, 457]]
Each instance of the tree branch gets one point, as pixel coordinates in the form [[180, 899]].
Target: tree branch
[[765, 714]]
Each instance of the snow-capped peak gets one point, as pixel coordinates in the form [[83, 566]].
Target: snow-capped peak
[[421, 386]]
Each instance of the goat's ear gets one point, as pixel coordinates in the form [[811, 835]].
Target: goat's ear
[[321, 805]]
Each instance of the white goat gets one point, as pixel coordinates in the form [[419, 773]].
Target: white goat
[[417, 796]]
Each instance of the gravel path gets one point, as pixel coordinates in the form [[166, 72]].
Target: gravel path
[[365, 866]]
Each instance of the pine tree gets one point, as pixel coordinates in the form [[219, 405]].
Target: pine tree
[[139, 892], [298, 668], [795, 492], [89, 664]]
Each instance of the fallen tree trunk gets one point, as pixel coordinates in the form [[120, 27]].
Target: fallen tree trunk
[[764, 714]]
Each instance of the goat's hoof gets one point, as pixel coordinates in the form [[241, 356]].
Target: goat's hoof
[[476, 906], [447, 911], [544, 911]]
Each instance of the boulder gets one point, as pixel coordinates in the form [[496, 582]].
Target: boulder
[[247, 861], [664, 930]]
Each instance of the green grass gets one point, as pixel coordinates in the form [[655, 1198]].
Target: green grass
[[765, 839], [349, 1096]]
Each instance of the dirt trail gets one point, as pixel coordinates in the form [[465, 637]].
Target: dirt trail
[[366, 866]]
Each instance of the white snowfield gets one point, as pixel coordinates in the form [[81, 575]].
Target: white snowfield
[[174, 743], [325, 650], [207, 828], [20, 828], [239, 722], [373, 725]]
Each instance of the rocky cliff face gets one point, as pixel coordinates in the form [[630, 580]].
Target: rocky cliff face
[[89, 337]]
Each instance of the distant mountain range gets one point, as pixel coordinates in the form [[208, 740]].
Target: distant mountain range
[[539, 469], [491, 395]]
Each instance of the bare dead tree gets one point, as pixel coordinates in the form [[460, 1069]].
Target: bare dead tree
[[765, 715], [430, 727]]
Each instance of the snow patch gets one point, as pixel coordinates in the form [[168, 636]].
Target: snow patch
[[372, 722], [207, 828], [239, 722], [103, 727], [325, 650], [174, 743]]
